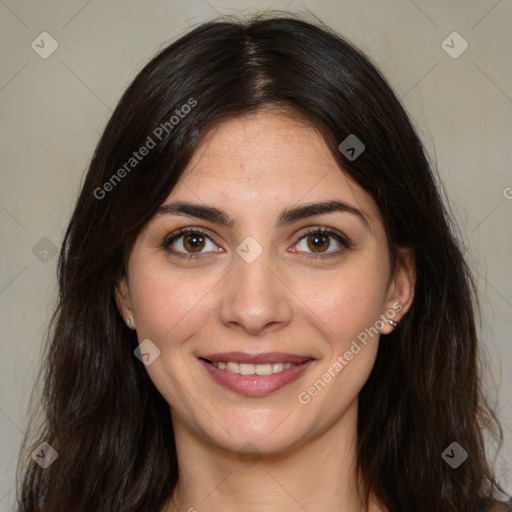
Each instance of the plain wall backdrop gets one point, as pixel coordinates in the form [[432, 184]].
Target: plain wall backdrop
[[54, 106]]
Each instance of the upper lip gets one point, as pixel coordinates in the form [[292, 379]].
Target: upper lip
[[265, 357]]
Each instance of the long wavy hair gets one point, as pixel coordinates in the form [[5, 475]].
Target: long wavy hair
[[100, 411]]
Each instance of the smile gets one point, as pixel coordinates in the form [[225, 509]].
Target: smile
[[255, 375], [253, 369]]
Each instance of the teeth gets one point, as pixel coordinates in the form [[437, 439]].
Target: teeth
[[251, 369], [246, 369], [277, 367], [263, 369], [233, 367]]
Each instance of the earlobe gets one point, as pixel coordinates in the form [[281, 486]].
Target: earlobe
[[124, 302], [400, 290]]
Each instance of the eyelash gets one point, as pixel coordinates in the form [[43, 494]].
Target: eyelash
[[308, 256]]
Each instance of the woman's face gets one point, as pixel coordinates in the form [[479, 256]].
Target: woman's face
[[247, 293]]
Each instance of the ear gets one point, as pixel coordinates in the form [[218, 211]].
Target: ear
[[124, 301], [401, 288]]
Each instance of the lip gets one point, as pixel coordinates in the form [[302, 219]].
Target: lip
[[256, 385], [265, 357]]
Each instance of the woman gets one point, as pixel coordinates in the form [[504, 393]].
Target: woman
[[262, 303]]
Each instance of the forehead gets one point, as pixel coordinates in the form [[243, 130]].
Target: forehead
[[267, 140], [264, 160]]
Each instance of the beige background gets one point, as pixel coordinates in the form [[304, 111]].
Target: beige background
[[53, 111]]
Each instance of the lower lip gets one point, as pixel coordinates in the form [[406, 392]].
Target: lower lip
[[256, 385]]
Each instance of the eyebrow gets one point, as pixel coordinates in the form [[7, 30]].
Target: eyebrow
[[288, 216]]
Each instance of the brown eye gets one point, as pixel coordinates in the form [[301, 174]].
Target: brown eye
[[193, 242], [189, 243], [318, 242]]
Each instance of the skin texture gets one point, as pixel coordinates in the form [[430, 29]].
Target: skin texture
[[295, 454]]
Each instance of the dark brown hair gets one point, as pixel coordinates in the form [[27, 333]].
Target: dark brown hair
[[101, 412]]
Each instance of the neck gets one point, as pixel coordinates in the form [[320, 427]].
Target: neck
[[316, 476]]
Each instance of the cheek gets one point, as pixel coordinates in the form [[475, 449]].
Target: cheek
[[168, 305], [170, 309], [346, 309], [348, 302], [348, 314]]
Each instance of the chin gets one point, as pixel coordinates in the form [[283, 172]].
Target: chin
[[270, 438]]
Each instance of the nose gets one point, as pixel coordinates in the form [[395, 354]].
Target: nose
[[256, 299]]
